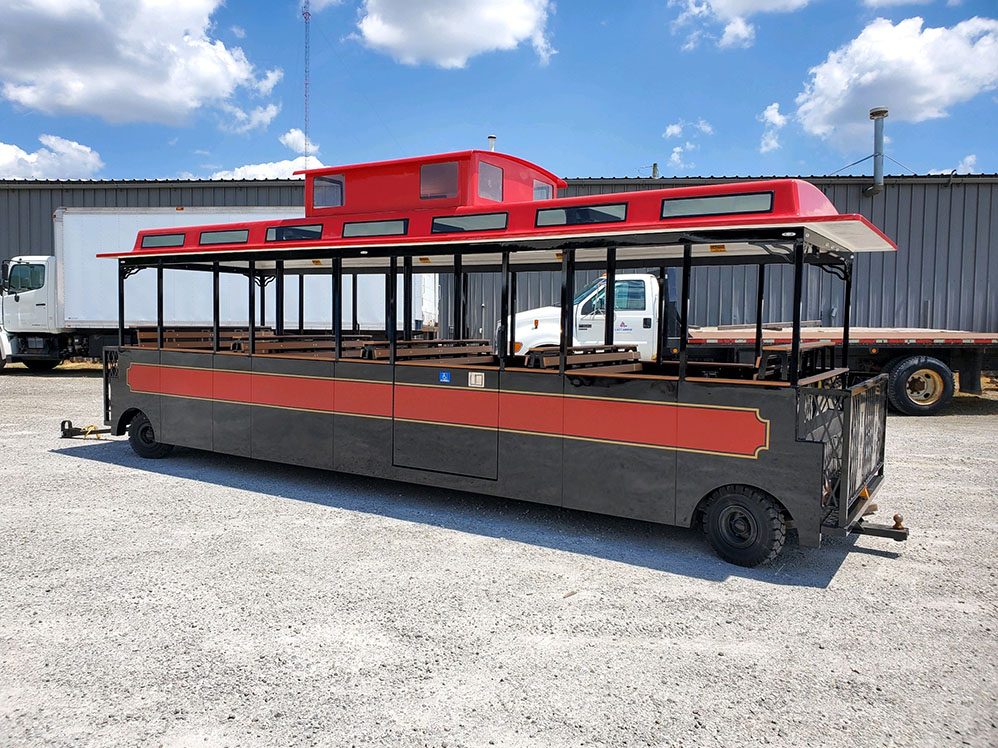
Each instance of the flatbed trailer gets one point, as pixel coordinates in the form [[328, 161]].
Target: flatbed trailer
[[920, 363], [749, 452]]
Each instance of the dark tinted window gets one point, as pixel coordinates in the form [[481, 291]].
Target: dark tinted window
[[478, 222], [715, 205], [291, 233], [228, 236], [376, 228], [490, 182], [438, 180], [162, 240], [327, 192], [26, 277], [582, 214]]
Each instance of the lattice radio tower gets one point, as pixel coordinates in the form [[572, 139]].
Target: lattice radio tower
[[307, 15]]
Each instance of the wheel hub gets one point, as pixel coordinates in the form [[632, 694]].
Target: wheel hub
[[738, 527], [924, 387]]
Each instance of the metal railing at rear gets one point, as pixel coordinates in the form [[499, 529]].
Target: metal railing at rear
[[110, 372], [848, 413]]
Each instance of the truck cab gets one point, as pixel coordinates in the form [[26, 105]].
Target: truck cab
[[29, 303], [637, 306]]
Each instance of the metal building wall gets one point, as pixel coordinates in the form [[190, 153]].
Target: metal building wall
[[26, 206], [944, 275]]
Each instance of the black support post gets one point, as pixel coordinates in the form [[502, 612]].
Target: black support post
[[251, 274], [502, 344], [301, 303], [338, 306], [354, 323], [759, 294], [407, 298], [459, 299], [846, 309], [279, 297], [662, 322], [159, 305], [684, 311], [262, 282], [512, 311], [798, 291], [215, 313], [392, 309], [610, 294], [121, 303], [567, 310]]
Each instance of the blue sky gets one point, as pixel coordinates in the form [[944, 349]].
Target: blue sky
[[198, 88]]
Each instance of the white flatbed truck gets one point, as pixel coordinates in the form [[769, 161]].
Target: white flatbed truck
[[920, 363]]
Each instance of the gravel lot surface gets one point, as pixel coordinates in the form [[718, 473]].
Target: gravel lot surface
[[208, 600]]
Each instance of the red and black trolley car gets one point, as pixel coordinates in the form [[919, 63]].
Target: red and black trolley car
[[793, 439]]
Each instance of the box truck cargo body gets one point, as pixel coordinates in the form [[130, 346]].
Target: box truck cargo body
[[64, 305]]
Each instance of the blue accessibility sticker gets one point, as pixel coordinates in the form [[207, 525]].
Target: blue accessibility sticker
[[445, 377]]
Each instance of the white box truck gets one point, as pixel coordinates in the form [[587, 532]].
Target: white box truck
[[63, 306]]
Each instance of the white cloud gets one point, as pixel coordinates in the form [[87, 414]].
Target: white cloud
[[698, 18], [967, 165], [738, 33], [270, 79], [57, 159], [318, 5], [238, 31], [446, 33], [675, 130], [296, 141], [676, 159], [240, 121], [917, 73], [774, 122], [137, 61], [270, 170]]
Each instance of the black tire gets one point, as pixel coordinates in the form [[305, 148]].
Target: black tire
[[143, 439], [920, 385], [42, 364], [744, 526]]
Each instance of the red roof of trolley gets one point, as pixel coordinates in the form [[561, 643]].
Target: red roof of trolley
[[432, 204]]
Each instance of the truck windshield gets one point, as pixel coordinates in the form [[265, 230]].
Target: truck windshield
[[580, 297], [24, 277]]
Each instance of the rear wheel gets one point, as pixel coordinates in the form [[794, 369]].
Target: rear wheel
[[143, 439], [744, 525], [42, 364], [920, 385]]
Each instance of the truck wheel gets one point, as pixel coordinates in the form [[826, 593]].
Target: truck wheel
[[143, 439], [38, 364], [744, 526], [920, 386]]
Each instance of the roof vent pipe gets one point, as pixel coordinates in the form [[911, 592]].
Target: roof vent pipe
[[492, 142], [877, 114]]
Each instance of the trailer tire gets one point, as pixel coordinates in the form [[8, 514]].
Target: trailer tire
[[744, 526], [42, 364], [143, 439], [919, 385]]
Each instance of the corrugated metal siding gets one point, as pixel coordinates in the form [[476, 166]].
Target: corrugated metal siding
[[945, 273], [26, 207]]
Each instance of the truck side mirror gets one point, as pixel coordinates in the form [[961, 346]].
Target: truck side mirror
[[3, 275]]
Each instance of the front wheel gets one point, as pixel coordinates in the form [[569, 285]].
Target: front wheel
[[143, 439], [744, 526]]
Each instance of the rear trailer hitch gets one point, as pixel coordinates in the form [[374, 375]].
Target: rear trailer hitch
[[897, 531], [69, 431]]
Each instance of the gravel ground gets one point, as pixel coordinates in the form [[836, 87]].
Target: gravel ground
[[209, 600]]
